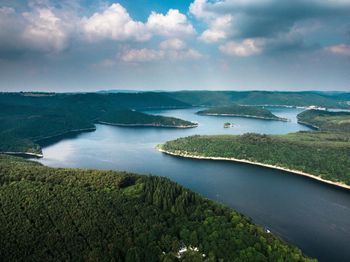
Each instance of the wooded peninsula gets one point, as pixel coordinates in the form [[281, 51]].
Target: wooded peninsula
[[322, 154], [241, 111]]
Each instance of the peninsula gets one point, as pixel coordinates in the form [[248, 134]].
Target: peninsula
[[326, 120], [319, 155], [27, 119], [241, 111], [130, 118]]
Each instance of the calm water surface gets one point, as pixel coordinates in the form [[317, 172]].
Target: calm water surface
[[311, 215]]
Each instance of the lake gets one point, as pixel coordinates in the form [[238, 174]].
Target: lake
[[309, 214]]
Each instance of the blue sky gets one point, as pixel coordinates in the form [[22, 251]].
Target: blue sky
[[86, 45]]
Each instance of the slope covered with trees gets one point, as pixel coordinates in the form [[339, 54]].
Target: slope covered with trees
[[326, 155], [276, 98], [71, 214], [133, 118], [326, 120], [28, 118], [241, 111]]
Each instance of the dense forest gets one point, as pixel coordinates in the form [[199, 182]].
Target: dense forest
[[261, 98], [241, 111], [28, 118], [134, 118], [318, 153], [326, 120], [72, 214]]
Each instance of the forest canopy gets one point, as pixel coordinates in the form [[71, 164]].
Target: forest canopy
[[27, 119], [241, 111], [326, 120], [72, 214], [323, 154]]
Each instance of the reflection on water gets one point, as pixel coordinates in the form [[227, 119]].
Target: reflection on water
[[314, 216]]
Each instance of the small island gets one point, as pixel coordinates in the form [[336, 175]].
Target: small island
[[228, 125], [241, 111], [319, 155]]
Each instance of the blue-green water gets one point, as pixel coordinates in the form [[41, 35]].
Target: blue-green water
[[309, 214]]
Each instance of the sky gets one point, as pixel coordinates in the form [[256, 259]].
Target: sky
[[89, 45]]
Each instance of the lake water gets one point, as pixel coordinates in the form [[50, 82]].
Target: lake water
[[309, 214]]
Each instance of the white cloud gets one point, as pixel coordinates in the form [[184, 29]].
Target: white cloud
[[342, 49], [173, 23], [189, 54], [198, 9], [173, 43], [45, 30], [142, 55], [148, 54], [219, 29], [248, 47], [114, 23], [49, 28], [39, 29], [252, 26]]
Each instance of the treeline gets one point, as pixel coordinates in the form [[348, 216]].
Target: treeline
[[241, 111], [318, 153], [27, 118], [70, 214], [224, 98], [129, 117], [326, 120]]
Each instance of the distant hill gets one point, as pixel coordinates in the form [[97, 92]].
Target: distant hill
[[274, 98]]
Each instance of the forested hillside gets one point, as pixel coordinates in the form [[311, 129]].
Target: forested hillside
[[326, 155], [326, 120], [133, 118], [27, 118], [224, 98], [241, 111], [71, 214]]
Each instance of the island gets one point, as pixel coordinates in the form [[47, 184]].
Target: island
[[326, 120], [322, 156], [228, 125], [78, 214], [241, 111]]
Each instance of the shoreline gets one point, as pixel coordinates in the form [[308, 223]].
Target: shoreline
[[89, 129], [292, 171], [39, 141], [308, 125], [37, 155], [145, 125], [245, 116]]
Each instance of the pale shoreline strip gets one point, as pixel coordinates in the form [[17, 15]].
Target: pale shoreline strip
[[246, 116], [22, 153], [81, 130], [301, 173], [146, 125]]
